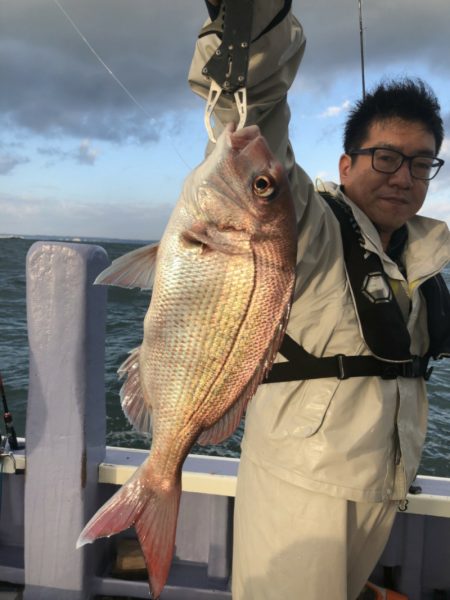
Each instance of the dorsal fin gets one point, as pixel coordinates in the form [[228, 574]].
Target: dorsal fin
[[136, 409], [134, 269]]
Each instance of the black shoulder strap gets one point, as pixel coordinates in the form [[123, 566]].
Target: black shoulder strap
[[215, 11], [437, 298], [277, 19], [383, 327]]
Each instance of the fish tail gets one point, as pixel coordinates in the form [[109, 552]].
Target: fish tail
[[153, 510]]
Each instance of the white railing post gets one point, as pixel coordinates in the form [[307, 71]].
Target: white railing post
[[65, 428]]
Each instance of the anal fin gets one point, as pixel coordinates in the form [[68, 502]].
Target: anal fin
[[225, 426], [136, 409]]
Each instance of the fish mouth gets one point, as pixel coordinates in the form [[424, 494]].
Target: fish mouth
[[250, 142], [253, 149], [241, 138]]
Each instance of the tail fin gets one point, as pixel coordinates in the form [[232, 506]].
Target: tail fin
[[153, 510]]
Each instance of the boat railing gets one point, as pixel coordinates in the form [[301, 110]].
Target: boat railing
[[65, 472]]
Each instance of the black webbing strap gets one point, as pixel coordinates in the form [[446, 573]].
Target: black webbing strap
[[277, 19], [303, 365], [217, 23], [213, 10], [390, 341], [437, 297]]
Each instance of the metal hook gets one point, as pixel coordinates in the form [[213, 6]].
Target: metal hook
[[214, 94], [240, 97]]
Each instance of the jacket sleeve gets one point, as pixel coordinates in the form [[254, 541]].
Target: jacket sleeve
[[274, 60]]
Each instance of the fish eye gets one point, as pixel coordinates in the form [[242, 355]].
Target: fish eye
[[264, 186]]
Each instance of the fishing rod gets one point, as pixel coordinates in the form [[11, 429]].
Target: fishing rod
[[361, 44], [7, 417]]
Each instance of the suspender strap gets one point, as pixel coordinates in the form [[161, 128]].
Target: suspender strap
[[277, 19], [371, 291], [303, 365], [437, 298]]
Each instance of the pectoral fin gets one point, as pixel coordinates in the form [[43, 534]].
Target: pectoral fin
[[134, 269]]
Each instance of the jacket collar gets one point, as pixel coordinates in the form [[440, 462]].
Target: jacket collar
[[427, 249]]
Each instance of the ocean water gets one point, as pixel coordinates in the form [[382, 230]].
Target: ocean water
[[125, 314]]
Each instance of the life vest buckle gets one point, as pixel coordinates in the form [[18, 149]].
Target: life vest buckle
[[415, 368]]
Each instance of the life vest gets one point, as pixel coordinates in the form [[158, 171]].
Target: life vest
[[375, 303]]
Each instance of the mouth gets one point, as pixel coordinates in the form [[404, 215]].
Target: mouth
[[240, 138], [395, 200]]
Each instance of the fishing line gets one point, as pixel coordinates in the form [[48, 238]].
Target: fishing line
[[114, 76]]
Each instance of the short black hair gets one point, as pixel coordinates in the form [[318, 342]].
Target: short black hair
[[407, 99]]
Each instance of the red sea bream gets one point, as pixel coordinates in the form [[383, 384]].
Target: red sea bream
[[222, 279]]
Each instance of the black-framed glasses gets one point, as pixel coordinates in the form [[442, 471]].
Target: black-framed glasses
[[388, 161]]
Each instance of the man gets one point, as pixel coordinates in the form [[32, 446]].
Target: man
[[326, 460]]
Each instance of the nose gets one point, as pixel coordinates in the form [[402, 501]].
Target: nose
[[402, 178]]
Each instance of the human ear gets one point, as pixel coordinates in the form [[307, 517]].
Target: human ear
[[345, 164]]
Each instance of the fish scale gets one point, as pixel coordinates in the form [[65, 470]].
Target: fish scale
[[191, 347]]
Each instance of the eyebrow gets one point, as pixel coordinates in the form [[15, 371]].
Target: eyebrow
[[422, 152]]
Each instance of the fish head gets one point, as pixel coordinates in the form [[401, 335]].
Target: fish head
[[241, 188]]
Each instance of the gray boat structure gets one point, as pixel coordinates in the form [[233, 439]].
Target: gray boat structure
[[54, 484]]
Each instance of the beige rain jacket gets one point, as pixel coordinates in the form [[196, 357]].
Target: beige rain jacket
[[359, 438]]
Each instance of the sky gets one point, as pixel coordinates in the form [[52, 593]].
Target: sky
[[79, 157]]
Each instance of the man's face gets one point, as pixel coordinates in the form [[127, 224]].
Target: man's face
[[389, 200]]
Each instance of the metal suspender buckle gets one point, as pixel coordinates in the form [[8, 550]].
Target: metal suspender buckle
[[413, 368], [341, 367]]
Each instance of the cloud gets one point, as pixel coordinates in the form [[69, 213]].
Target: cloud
[[437, 204], [445, 148], [335, 111], [46, 215], [53, 84], [437, 207], [446, 119], [9, 162], [86, 155], [400, 33]]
